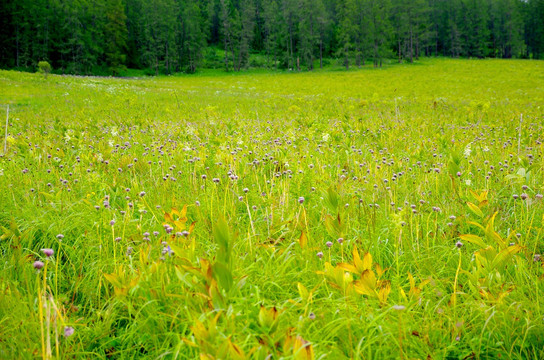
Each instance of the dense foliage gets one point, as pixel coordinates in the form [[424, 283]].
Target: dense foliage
[[338, 215], [166, 36]]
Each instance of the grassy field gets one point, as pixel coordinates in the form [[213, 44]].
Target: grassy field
[[373, 214]]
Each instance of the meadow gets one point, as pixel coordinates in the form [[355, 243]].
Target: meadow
[[364, 214]]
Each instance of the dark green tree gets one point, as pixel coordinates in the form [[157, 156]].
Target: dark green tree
[[115, 36]]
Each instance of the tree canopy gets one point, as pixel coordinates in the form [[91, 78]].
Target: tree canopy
[[166, 36]]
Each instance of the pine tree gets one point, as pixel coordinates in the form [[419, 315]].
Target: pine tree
[[194, 38], [271, 30], [115, 35], [379, 28], [346, 29], [246, 34]]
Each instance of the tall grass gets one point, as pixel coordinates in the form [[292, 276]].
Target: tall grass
[[390, 213]]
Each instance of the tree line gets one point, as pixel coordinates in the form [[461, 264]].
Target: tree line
[[166, 36]]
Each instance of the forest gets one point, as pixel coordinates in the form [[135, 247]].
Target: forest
[[106, 37]]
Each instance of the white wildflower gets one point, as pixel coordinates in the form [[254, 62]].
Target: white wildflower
[[467, 151]]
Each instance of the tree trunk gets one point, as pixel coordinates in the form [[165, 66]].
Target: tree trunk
[[346, 58], [321, 53], [417, 47], [166, 63], [17, 45], [226, 55], [357, 57], [411, 45]]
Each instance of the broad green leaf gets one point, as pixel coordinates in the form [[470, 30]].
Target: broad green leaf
[[223, 276]]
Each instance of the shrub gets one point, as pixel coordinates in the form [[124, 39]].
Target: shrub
[[44, 68]]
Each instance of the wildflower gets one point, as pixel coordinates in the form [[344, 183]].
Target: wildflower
[[68, 331], [320, 254], [329, 244], [399, 307], [467, 151], [112, 222], [536, 258], [142, 194], [301, 200], [60, 237], [311, 316], [38, 265], [458, 244], [48, 252], [340, 240]]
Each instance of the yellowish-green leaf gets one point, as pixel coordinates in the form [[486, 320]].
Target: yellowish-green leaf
[[505, 255], [303, 240], [474, 239], [475, 209]]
